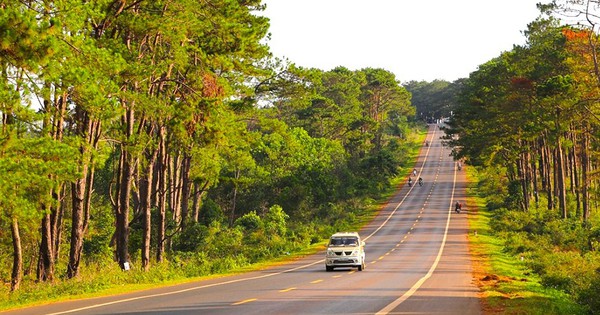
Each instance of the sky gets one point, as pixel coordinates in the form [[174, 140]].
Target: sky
[[414, 39]]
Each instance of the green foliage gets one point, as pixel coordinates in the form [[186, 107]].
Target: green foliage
[[210, 212], [250, 222], [275, 222], [191, 238], [559, 251], [96, 248], [511, 257], [589, 295], [35, 165]]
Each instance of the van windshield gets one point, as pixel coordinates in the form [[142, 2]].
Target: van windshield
[[343, 241]]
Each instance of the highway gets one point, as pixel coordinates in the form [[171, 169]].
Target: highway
[[417, 263]]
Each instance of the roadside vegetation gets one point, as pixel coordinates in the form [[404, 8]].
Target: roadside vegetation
[[144, 143], [508, 282], [236, 248], [527, 121]]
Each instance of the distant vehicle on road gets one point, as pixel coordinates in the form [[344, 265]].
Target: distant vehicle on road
[[345, 249]]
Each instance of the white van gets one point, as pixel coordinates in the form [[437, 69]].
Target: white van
[[345, 249]]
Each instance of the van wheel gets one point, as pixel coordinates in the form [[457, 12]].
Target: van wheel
[[361, 267], [328, 268]]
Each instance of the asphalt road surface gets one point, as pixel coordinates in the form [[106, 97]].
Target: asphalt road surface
[[417, 263]]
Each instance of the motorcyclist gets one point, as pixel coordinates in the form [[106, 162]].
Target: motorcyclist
[[457, 207], [409, 181], [459, 165], [420, 181]]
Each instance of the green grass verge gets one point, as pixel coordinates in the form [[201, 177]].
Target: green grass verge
[[507, 285]]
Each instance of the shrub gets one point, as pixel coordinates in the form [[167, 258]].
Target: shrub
[[249, 222], [589, 296], [190, 238], [96, 248], [209, 212], [275, 221]]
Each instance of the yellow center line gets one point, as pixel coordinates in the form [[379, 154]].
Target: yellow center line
[[338, 276], [244, 301], [287, 290], [316, 281]]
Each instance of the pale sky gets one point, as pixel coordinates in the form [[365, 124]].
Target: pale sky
[[414, 39]]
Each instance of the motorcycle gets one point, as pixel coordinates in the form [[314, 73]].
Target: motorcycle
[[458, 207]]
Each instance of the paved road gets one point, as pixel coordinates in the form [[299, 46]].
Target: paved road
[[417, 263]]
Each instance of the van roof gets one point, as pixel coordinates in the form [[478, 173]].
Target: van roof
[[344, 234]]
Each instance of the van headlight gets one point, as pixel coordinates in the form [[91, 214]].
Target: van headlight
[[330, 252]]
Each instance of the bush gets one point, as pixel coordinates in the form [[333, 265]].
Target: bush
[[589, 296], [275, 221], [209, 212], [96, 249], [190, 238], [249, 222]]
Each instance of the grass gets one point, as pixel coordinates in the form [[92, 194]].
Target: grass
[[507, 285]]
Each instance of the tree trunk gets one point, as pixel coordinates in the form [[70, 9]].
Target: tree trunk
[[45, 270], [17, 270], [51, 222], [81, 189], [78, 189], [585, 170], [548, 173], [575, 176], [175, 188], [185, 188], [125, 172], [57, 220], [162, 195], [560, 180], [146, 208], [198, 193]]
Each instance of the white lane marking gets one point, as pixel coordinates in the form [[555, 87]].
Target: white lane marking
[[390, 307]]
